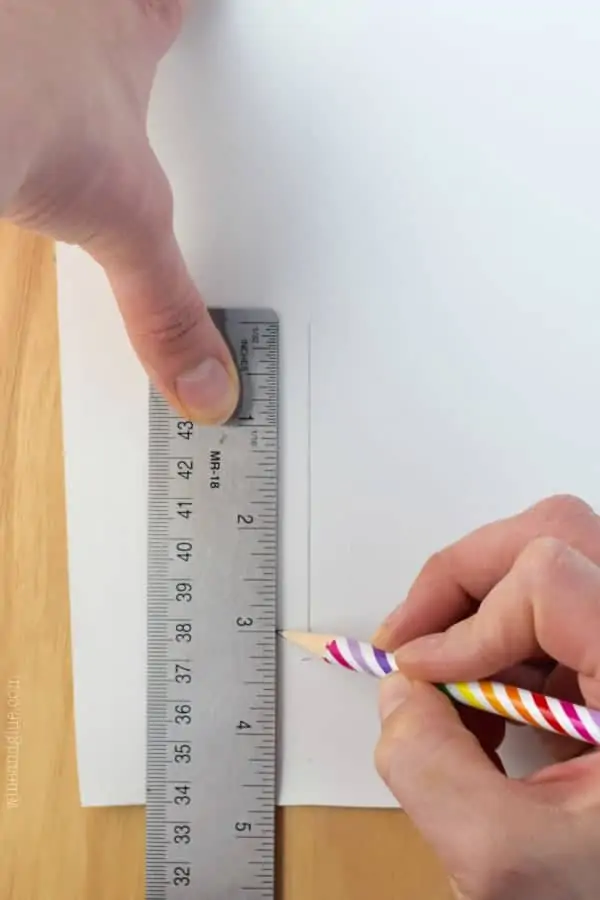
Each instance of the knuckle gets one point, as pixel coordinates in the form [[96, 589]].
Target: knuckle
[[383, 757], [162, 7], [159, 202], [437, 565], [173, 326], [124, 198], [553, 513], [148, 196], [168, 13], [401, 731], [411, 746], [544, 560], [405, 725]]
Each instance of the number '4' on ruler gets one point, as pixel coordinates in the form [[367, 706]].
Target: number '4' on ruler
[[212, 611]]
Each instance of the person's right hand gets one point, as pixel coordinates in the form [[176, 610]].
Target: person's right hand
[[523, 589], [76, 164]]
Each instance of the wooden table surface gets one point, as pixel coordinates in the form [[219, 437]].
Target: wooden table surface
[[51, 848]]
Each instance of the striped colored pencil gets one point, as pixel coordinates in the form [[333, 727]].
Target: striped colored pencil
[[516, 704]]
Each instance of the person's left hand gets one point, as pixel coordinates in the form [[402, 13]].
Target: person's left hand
[[76, 164]]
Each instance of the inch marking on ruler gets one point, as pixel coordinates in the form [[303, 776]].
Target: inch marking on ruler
[[212, 641]]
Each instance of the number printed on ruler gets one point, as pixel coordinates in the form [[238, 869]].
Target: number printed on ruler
[[212, 675]]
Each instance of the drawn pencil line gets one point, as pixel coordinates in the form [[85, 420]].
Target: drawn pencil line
[[309, 480]]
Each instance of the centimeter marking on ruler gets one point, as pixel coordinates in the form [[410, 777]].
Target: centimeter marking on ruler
[[212, 610]]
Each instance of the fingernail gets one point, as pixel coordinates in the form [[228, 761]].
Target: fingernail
[[209, 392], [395, 689], [419, 649], [382, 634]]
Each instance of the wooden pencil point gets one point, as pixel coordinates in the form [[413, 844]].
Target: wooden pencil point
[[313, 643]]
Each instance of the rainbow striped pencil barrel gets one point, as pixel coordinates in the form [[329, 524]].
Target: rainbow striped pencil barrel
[[517, 704]]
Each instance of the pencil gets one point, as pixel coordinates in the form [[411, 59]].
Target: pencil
[[513, 703]]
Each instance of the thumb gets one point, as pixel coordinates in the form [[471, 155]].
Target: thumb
[[439, 773], [166, 319]]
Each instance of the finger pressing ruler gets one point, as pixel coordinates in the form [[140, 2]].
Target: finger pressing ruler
[[212, 610]]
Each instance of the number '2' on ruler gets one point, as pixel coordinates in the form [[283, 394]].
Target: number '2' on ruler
[[212, 611]]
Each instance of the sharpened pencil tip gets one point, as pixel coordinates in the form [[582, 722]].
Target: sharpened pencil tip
[[314, 643]]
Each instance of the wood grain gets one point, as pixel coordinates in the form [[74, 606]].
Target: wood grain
[[52, 849]]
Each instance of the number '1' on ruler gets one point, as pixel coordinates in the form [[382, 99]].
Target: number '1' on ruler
[[212, 610]]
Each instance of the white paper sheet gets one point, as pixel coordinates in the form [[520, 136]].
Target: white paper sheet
[[419, 183]]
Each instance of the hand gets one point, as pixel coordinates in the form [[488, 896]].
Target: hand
[[75, 163], [523, 589]]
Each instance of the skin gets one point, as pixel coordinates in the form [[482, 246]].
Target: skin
[[518, 599], [75, 164]]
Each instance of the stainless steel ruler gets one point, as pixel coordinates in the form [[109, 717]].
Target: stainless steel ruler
[[212, 675]]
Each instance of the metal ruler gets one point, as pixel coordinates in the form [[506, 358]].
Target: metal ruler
[[212, 679]]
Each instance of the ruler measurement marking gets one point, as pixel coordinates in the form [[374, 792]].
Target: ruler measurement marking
[[232, 568]]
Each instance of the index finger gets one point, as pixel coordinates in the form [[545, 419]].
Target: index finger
[[549, 600], [457, 578]]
